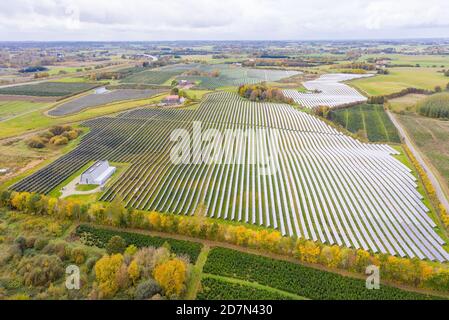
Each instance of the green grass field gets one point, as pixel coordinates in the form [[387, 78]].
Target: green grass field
[[37, 120], [56, 70], [48, 89], [14, 108], [431, 136], [422, 60], [368, 121], [150, 77], [406, 103], [401, 78]]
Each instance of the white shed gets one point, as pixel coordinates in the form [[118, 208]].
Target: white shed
[[97, 174]]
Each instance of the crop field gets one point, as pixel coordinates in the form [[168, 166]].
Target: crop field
[[93, 100], [432, 138], [151, 77], [330, 91], [422, 60], [369, 120], [48, 89], [405, 103], [401, 78], [294, 278], [324, 186], [10, 109], [217, 289], [235, 76]]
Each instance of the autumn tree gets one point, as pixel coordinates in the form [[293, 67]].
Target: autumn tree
[[171, 276], [106, 270]]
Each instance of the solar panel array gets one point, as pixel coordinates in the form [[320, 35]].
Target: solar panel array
[[328, 90], [328, 187]]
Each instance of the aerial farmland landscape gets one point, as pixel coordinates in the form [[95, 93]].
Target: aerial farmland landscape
[[205, 160]]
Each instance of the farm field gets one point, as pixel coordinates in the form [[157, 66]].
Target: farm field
[[214, 288], [234, 76], [331, 91], [431, 136], [368, 121], [399, 79], [405, 104], [10, 109], [49, 89], [150, 77], [327, 187], [423, 60], [94, 100], [37, 120], [293, 278]]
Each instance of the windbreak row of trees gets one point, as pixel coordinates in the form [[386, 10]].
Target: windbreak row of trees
[[413, 272], [435, 106]]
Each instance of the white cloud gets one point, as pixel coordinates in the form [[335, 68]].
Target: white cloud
[[220, 19]]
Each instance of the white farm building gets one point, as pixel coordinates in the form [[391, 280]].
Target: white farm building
[[97, 174]]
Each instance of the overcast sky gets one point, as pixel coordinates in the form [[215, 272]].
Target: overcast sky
[[221, 19]]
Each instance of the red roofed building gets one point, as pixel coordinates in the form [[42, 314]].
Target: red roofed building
[[173, 99]]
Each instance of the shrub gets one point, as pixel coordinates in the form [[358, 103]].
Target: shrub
[[21, 243], [40, 243], [59, 140], [40, 270], [59, 248], [90, 263], [147, 289], [36, 142], [116, 245], [78, 255], [57, 130]]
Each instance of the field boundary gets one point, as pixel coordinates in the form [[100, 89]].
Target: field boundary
[[211, 244], [426, 167]]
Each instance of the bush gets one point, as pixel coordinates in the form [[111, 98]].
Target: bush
[[40, 270], [59, 248], [21, 243], [116, 245], [36, 142], [59, 140], [40, 243], [57, 130], [78, 255], [147, 289]]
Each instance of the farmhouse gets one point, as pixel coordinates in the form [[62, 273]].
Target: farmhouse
[[98, 173], [173, 99]]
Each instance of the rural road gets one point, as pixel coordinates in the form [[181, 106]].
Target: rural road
[[436, 184]]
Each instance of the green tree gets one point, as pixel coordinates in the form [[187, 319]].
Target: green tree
[[116, 245]]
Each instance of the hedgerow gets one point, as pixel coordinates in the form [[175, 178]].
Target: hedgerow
[[297, 279], [101, 236]]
